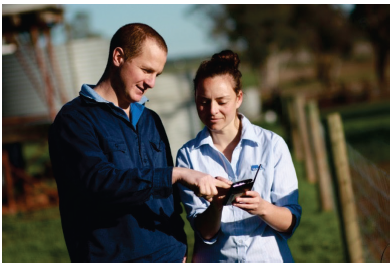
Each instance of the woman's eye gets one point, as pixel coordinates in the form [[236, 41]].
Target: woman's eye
[[203, 102]]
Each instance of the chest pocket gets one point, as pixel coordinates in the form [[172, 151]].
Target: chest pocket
[[117, 146], [158, 152], [156, 145], [117, 153]]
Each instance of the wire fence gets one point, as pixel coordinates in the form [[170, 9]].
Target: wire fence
[[371, 187]]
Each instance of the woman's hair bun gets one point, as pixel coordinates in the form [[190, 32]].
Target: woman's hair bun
[[227, 57], [223, 63]]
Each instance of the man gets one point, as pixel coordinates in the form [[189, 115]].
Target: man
[[113, 166]]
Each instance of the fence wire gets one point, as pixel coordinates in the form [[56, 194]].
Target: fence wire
[[371, 187]]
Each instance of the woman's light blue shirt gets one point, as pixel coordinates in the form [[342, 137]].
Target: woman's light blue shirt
[[243, 237]]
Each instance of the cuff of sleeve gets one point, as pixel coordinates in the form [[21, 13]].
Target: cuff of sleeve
[[209, 241], [297, 219], [162, 182]]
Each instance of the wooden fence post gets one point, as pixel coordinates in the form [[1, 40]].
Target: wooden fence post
[[296, 140], [299, 110], [318, 145], [346, 194]]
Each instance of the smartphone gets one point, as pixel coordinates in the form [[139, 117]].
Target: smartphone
[[239, 188]]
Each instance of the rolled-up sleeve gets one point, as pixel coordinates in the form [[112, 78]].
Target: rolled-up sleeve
[[284, 192]]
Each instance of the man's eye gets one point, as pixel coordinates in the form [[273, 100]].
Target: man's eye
[[146, 71], [222, 103]]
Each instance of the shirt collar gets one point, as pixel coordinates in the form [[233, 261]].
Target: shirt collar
[[136, 108], [89, 92], [247, 134]]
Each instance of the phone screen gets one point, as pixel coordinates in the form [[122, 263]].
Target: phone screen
[[238, 189]]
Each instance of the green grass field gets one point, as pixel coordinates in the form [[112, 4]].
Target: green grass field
[[34, 237]]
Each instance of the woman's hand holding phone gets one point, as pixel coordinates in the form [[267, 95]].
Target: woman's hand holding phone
[[250, 202], [279, 218]]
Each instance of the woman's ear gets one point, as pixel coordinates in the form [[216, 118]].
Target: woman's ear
[[239, 99], [118, 56]]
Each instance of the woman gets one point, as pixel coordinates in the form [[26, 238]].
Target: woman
[[255, 228]]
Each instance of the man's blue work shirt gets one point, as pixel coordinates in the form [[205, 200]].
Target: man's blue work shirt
[[114, 177]]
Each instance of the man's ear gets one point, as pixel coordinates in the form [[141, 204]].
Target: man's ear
[[118, 56]]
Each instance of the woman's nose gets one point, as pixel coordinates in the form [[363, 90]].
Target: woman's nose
[[214, 108]]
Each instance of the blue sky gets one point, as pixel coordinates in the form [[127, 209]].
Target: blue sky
[[185, 34]]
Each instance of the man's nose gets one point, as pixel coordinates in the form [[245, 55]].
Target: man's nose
[[150, 81]]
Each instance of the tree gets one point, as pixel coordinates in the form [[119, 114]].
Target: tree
[[326, 32], [257, 30], [374, 22], [264, 30]]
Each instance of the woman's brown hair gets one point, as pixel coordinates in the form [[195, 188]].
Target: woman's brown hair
[[225, 62]]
